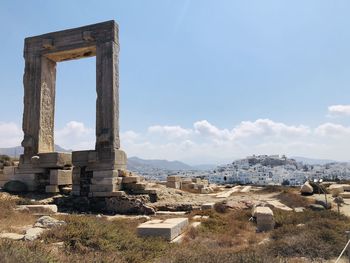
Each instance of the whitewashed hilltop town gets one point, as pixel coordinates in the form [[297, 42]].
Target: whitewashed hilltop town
[[257, 170]]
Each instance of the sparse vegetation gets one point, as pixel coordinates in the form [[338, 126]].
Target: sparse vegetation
[[227, 236], [292, 199], [309, 234], [33, 252]]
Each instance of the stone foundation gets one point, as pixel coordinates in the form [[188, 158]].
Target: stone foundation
[[122, 204]]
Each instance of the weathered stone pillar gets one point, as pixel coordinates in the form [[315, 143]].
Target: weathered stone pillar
[[39, 103], [107, 103]]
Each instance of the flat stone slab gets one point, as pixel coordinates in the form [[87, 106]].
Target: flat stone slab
[[12, 236], [168, 228], [38, 209]]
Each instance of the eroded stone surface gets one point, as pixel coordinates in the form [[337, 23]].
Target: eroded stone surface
[[48, 222]]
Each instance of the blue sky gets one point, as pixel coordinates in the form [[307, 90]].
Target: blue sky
[[185, 65]]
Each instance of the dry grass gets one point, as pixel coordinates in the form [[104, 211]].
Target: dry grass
[[10, 219], [227, 236], [275, 189], [29, 252], [319, 234], [293, 199], [110, 239]]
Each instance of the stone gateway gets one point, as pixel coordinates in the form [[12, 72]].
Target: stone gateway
[[104, 163]]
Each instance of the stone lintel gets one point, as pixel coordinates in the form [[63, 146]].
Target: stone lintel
[[86, 36]]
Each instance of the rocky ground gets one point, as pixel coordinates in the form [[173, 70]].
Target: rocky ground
[[227, 233]]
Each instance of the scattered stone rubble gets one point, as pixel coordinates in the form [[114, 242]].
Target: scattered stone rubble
[[339, 190], [193, 185], [41, 225]]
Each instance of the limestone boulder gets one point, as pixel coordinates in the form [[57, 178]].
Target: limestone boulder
[[33, 233], [306, 189], [15, 186]]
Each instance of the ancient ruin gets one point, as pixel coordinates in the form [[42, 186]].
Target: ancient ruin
[[95, 172]]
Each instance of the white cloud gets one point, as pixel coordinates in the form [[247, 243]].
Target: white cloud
[[206, 143], [75, 135], [10, 134], [207, 129], [266, 127], [337, 110], [171, 132], [129, 136], [332, 130]]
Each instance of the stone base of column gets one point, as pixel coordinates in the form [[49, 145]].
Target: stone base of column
[[42, 170], [97, 177]]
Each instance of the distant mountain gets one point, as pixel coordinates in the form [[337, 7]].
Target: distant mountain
[[306, 160], [18, 150], [12, 151], [204, 167], [135, 163]]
